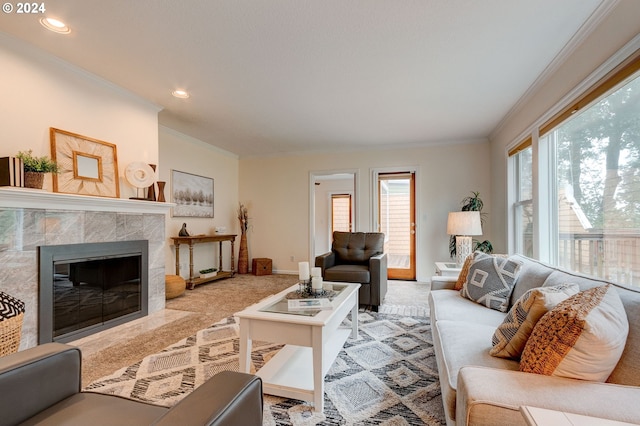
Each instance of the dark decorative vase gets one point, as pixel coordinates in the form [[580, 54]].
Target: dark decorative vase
[[243, 255], [33, 180], [161, 185], [151, 191]]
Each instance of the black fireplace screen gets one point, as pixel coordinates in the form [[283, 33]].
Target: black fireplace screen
[[86, 288]]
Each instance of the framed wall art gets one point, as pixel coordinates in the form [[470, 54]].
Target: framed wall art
[[86, 166], [192, 195]]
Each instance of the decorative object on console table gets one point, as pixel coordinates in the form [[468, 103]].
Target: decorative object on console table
[[243, 253], [192, 194], [87, 166], [208, 273], [11, 171], [11, 316], [35, 168], [462, 225], [140, 175], [183, 231]]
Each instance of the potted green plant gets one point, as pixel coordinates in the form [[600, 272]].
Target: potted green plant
[[472, 203], [35, 168]]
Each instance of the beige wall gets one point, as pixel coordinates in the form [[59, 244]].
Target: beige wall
[[618, 28], [186, 154], [276, 190], [40, 91]]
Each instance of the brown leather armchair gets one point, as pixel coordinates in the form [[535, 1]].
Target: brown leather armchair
[[41, 386], [358, 257]]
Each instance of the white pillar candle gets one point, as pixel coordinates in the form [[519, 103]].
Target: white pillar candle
[[316, 283], [316, 272], [303, 270]]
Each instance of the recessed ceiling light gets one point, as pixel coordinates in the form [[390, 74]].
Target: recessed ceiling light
[[179, 93], [182, 94], [55, 25]]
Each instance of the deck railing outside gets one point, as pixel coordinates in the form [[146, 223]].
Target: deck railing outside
[[614, 257]]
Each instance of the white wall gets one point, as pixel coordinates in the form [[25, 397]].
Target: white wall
[[186, 154], [40, 91], [276, 190], [611, 34]]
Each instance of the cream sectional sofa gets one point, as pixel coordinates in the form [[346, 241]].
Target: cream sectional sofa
[[479, 389]]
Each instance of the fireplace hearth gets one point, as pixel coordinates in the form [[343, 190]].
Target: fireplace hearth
[[86, 288]]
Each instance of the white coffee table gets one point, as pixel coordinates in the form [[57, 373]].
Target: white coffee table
[[313, 340]]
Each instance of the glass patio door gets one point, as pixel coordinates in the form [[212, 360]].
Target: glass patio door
[[396, 219]]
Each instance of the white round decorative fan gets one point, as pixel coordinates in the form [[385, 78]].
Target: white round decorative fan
[[140, 175]]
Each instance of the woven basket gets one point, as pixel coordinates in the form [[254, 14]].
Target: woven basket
[[10, 333]]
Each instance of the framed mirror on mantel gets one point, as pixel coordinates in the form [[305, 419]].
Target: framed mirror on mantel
[[87, 166]]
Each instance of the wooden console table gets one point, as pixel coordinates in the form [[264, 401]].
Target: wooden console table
[[194, 281]]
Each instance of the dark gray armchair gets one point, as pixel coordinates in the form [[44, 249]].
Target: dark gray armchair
[[358, 257], [41, 386]]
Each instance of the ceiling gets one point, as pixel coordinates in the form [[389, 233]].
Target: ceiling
[[269, 77]]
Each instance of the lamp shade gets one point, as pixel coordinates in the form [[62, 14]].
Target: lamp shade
[[464, 223]]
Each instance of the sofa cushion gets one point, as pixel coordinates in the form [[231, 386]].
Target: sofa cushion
[[460, 343], [449, 305], [512, 335], [533, 274], [487, 396], [491, 280], [348, 274], [582, 337]]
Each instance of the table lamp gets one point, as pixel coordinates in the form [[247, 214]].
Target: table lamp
[[462, 225]]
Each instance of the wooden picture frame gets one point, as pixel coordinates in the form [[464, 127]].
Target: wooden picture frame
[[192, 195], [87, 166]]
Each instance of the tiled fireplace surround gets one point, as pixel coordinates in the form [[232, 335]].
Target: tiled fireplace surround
[[29, 219]]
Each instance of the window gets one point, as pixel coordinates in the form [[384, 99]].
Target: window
[[341, 212], [523, 205], [575, 188], [597, 187]]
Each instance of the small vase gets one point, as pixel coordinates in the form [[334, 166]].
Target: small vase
[[33, 180], [161, 185], [243, 255], [151, 191]]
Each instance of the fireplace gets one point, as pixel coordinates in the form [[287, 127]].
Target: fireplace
[[86, 288]]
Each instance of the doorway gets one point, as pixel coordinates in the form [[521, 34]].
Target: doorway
[[397, 220], [333, 201]]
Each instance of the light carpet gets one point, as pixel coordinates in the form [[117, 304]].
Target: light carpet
[[387, 376]]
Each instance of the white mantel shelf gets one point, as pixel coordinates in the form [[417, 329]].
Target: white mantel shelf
[[13, 197]]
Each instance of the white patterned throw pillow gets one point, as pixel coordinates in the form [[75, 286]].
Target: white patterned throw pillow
[[490, 281]]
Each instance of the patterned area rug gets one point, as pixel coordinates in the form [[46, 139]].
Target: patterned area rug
[[387, 376]]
